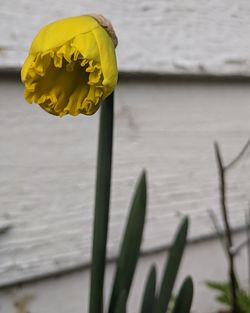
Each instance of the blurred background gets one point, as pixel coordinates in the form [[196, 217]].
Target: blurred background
[[183, 84]]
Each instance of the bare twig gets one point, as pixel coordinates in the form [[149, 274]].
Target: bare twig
[[220, 234], [236, 249], [5, 227], [217, 228], [238, 157], [229, 240], [248, 243]]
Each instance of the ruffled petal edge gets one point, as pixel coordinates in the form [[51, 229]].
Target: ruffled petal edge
[[36, 66]]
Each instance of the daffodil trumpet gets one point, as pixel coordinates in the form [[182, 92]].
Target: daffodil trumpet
[[71, 66]]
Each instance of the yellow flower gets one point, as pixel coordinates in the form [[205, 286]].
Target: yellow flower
[[71, 66]]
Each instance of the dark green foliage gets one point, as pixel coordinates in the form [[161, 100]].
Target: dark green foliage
[[148, 300], [121, 303], [102, 197], [184, 299], [224, 292], [153, 301], [131, 243], [224, 296], [171, 268]]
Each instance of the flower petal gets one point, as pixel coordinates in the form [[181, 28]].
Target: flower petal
[[107, 58], [71, 67], [57, 33]]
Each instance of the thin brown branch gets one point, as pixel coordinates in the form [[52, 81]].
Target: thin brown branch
[[248, 243], [219, 231], [229, 240], [238, 157], [237, 249]]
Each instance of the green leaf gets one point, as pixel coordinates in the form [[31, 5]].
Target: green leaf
[[102, 199], [224, 287], [224, 291], [184, 299], [171, 267], [243, 301], [148, 301], [171, 304], [121, 303], [224, 295], [131, 243]]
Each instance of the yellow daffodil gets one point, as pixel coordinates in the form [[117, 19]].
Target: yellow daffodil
[[71, 66]]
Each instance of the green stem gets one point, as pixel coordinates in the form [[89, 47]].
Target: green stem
[[102, 200]]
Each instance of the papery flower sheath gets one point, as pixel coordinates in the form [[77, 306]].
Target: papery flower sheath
[[71, 66]]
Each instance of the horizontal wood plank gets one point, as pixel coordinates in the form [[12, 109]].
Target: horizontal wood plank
[[162, 36]]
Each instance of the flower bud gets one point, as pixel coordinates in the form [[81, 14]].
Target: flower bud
[[71, 66]]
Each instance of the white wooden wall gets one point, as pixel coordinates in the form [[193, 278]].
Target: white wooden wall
[[169, 36], [47, 167]]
